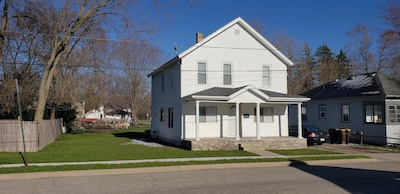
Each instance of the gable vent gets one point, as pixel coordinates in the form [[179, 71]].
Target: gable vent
[[237, 32]]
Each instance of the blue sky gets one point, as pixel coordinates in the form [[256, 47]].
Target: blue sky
[[307, 21]]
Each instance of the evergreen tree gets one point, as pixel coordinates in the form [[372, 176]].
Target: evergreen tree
[[343, 63], [326, 69], [301, 74]]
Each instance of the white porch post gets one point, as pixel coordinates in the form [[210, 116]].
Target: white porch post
[[237, 122], [299, 123], [197, 120], [258, 121]]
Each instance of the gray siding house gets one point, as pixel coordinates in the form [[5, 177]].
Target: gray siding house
[[367, 102]]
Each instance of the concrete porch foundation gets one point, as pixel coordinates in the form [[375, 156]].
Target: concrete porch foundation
[[267, 143]]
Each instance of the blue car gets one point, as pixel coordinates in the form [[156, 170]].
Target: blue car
[[313, 134]]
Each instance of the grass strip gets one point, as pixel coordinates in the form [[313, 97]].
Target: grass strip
[[159, 164]]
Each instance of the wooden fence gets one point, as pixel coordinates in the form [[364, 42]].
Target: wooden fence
[[37, 134]]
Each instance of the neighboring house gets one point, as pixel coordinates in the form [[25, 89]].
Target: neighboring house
[[111, 114], [368, 102], [95, 114], [230, 85]]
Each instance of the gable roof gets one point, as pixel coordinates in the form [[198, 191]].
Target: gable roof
[[369, 84], [226, 94], [246, 27]]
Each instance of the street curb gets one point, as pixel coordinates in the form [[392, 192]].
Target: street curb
[[181, 168]]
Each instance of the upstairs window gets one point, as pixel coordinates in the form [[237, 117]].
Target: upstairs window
[[227, 74], [265, 76], [201, 73]]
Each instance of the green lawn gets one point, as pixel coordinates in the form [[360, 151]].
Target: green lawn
[[107, 146]]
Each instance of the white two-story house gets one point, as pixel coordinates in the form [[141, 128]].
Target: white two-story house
[[229, 87]]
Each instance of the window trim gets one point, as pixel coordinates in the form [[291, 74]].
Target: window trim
[[320, 112], [170, 117], [268, 76], [343, 114], [394, 114], [162, 115], [375, 113], [227, 75], [201, 73]]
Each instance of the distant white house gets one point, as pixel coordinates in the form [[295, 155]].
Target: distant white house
[[111, 114], [230, 85], [367, 102], [95, 114]]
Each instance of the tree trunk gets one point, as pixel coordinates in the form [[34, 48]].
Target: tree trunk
[[45, 84]]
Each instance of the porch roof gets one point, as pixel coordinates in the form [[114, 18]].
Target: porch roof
[[226, 94]]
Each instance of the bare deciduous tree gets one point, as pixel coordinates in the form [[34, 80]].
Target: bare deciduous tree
[[360, 45], [137, 59], [389, 39]]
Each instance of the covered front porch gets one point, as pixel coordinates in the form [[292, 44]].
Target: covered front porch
[[265, 143], [234, 115]]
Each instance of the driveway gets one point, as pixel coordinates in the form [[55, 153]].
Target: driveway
[[356, 149]]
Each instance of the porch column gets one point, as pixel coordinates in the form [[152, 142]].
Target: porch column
[[258, 121], [299, 123], [237, 122], [197, 120]]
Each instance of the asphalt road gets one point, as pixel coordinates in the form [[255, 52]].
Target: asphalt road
[[380, 174], [372, 177]]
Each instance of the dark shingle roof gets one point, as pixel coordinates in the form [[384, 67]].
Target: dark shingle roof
[[226, 92], [370, 84], [391, 85], [276, 94], [217, 91]]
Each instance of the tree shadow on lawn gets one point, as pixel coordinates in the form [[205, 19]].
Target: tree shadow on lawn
[[130, 135], [142, 136], [355, 180]]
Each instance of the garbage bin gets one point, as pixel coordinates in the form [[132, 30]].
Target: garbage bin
[[332, 135], [344, 134]]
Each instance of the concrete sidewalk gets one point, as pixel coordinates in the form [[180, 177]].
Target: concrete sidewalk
[[147, 160], [376, 156], [262, 154]]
